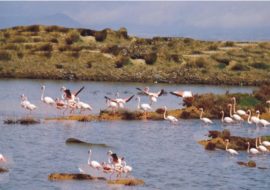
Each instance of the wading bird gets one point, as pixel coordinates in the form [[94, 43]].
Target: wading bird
[[119, 101], [126, 168], [169, 118], [262, 122], [205, 120], [226, 120], [82, 106], [47, 100], [68, 95], [231, 151], [239, 112], [26, 104], [252, 119], [186, 95], [252, 150], [264, 143], [260, 147], [92, 163], [153, 96], [2, 158], [235, 116], [145, 107]]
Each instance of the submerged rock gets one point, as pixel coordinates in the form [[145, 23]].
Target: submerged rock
[[127, 181], [78, 141], [73, 176], [22, 121], [251, 164], [3, 170]]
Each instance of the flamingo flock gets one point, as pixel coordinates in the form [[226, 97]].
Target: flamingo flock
[[115, 165]]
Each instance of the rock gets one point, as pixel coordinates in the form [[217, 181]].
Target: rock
[[3, 170], [73, 176], [250, 164], [78, 141], [22, 121], [127, 181]]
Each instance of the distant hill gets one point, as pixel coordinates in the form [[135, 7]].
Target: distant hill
[[56, 52]]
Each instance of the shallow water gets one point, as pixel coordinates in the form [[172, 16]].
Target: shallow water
[[165, 156]]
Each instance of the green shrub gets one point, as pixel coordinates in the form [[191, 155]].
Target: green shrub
[[123, 61], [263, 93], [64, 48], [222, 59], [229, 44], [150, 58], [5, 56], [239, 67], [188, 40], [260, 65], [72, 37], [20, 54], [19, 39], [213, 47], [123, 33], [112, 49], [100, 36], [56, 29], [32, 28], [45, 47], [201, 62]]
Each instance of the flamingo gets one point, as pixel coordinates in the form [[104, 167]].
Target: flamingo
[[186, 95], [68, 95], [239, 112], [205, 119], [231, 151], [2, 158], [235, 116], [252, 150], [252, 119], [119, 101], [265, 143], [152, 95], [126, 168], [92, 163], [112, 105], [226, 120], [26, 104], [260, 147], [47, 100], [82, 106], [107, 168], [169, 118], [60, 104], [116, 162], [145, 107], [262, 122]]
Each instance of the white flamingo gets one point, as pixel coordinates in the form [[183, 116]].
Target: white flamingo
[[47, 100], [260, 147], [126, 168], [82, 106], [26, 104], [205, 119], [68, 95], [226, 120], [265, 143], [2, 158], [186, 95], [235, 116], [112, 105], [252, 119], [145, 107], [262, 122], [239, 112], [231, 151], [153, 96], [92, 163], [169, 118], [252, 150], [116, 163], [119, 101]]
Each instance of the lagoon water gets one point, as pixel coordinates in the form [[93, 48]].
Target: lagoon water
[[164, 156]]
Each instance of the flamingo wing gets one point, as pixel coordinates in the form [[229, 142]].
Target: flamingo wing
[[128, 99], [143, 91], [68, 93], [179, 94], [112, 100], [160, 92]]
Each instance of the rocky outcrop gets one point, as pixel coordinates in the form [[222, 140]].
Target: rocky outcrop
[[22, 121], [3, 170], [72, 176], [250, 164]]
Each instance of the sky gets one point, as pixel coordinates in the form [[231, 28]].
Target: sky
[[201, 20]]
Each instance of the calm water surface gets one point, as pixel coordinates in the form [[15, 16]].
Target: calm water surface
[[165, 156]]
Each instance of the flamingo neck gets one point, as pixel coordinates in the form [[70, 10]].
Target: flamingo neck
[[42, 94], [258, 115], [226, 146], [222, 117], [256, 143], [201, 114], [249, 116], [234, 104], [164, 114], [260, 140], [248, 147], [230, 111], [139, 102], [89, 158]]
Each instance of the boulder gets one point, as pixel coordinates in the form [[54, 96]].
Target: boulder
[[78, 141], [22, 121], [250, 164], [72, 176]]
